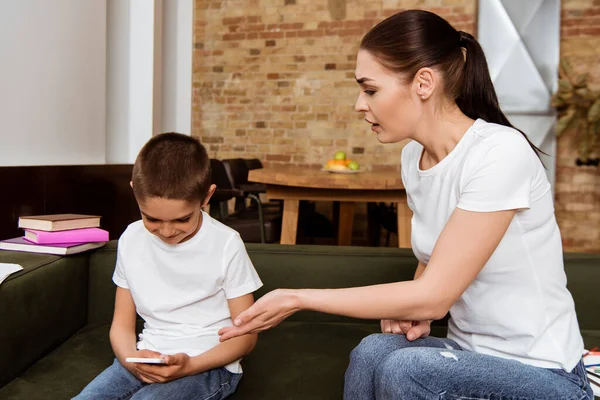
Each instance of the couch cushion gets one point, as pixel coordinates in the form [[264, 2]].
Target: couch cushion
[[296, 360]]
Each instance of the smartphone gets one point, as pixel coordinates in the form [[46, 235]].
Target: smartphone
[[144, 360]]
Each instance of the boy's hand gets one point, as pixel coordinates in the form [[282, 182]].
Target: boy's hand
[[133, 367], [177, 366], [412, 329]]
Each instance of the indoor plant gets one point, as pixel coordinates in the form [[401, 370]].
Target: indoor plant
[[578, 109]]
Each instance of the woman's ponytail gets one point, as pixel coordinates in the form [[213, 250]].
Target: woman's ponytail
[[477, 97]]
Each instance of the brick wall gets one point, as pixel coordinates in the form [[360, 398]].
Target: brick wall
[[578, 188], [274, 79]]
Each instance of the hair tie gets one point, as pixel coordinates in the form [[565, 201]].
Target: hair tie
[[463, 38]]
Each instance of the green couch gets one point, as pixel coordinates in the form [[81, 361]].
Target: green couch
[[55, 316]]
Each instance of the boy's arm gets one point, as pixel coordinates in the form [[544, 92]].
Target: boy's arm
[[179, 365], [122, 334], [225, 353], [122, 329]]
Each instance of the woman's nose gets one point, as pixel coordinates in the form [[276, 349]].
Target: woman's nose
[[361, 104]]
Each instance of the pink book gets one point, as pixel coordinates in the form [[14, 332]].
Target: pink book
[[85, 235], [62, 249]]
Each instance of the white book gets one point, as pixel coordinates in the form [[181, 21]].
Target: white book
[[594, 383], [591, 362], [7, 269]]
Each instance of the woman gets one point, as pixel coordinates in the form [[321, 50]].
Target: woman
[[483, 230]]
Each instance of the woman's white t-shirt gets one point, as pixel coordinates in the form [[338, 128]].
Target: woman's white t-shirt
[[518, 306]]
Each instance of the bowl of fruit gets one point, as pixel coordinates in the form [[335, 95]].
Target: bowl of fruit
[[341, 165]]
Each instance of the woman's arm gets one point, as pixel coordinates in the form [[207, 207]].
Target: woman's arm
[[419, 271], [464, 246], [412, 329]]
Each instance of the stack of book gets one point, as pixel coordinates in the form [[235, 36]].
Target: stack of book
[[591, 360], [60, 234]]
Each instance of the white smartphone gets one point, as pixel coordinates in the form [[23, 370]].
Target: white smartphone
[[144, 360]]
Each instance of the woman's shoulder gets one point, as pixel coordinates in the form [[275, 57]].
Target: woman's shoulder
[[503, 152], [494, 142], [489, 135], [411, 151]]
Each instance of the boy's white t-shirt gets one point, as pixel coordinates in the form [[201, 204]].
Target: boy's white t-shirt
[[518, 306], [181, 290]]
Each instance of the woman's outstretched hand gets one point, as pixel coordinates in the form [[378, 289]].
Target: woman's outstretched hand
[[266, 313], [412, 329]]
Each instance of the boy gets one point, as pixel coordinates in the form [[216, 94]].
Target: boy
[[186, 274]]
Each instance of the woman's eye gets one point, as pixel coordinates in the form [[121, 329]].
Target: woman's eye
[[370, 92]]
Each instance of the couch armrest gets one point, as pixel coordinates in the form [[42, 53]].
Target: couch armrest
[[40, 307], [101, 301]]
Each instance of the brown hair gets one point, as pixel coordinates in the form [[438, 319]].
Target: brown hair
[[173, 166], [414, 39]]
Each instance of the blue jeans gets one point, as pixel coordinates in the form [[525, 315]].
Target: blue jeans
[[388, 366], [116, 383]]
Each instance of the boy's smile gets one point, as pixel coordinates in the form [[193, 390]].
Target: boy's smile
[[172, 221]]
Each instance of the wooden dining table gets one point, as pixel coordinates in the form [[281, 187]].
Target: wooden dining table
[[293, 184]]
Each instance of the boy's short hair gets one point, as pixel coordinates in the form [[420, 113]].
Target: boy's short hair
[[172, 166]]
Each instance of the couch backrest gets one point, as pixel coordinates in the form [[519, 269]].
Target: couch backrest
[[101, 289], [328, 267], [278, 267], [304, 266]]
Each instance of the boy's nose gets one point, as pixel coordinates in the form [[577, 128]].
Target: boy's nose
[[167, 231]]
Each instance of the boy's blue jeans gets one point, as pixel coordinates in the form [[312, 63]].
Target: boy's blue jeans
[[388, 366], [116, 383]]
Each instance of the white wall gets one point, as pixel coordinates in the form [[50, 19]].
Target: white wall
[[178, 35], [149, 82], [89, 82], [117, 81], [130, 77], [52, 82], [142, 20]]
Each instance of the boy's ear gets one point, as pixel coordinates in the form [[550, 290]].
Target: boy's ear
[[131, 184], [211, 191]]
